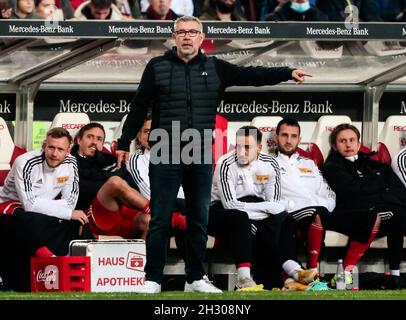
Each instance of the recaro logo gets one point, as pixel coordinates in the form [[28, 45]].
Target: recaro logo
[[399, 128], [69, 126], [267, 129]]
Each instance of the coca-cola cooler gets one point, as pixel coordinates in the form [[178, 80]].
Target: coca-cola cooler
[[116, 265], [63, 274]]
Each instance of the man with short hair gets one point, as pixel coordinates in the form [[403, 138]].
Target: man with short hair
[[248, 217], [159, 10], [306, 194], [46, 182], [114, 207], [98, 10], [182, 87], [38, 202]]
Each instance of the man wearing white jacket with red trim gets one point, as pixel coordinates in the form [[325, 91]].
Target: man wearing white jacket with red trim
[[247, 217], [304, 190], [41, 190]]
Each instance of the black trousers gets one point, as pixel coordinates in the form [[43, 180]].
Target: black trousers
[[24, 233], [165, 180], [265, 243], [358, 225]]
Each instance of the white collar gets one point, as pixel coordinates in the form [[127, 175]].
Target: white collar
[[352, 158]]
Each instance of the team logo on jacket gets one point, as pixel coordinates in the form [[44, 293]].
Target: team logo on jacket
[[61, 180], [305, 170], [262, 178]]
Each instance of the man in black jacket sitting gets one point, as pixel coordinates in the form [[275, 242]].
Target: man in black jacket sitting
[[113, 206], [370, 199]]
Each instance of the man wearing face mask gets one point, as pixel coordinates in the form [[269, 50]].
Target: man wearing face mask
[[248, 218], [297, 10], [222, 10], [340, 10]]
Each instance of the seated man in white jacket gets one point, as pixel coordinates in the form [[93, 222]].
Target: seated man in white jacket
[[37, 203], [399, 165], [248, 217], [43, 187], [308, 195]]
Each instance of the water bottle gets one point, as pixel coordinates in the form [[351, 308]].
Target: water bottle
[[340, 276], [355, 279]]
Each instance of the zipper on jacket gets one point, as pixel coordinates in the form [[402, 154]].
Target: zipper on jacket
[[188, 97]]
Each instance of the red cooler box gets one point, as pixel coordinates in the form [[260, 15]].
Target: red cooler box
[[64, 274], [116, 265]]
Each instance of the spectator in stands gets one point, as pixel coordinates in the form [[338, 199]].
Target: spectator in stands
[[129, 8], [266, 7], [66, 7], [197, 8], [368, 199], [98, 10], [250, 9], [183, 86], [48, 10], [307, 196], [248, 217], [179, 7], [5, 9], [24, 9], [159, 10], [221, 10], [297, 10], [114, 208], [362, 10], [392, 10], [301, 10], [399, 165]]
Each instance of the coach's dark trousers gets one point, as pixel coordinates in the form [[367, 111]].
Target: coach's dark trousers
[[165, 180]]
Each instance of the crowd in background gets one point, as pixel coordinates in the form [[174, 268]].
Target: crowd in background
[[221, 10]]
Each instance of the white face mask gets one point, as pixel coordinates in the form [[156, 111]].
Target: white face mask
[[300, 7], [352, 158]]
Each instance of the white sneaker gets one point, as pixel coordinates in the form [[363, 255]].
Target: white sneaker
[[202, 285], [149, 287]]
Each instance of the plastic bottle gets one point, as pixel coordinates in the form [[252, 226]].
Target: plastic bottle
[[340, 276], [355, 279]]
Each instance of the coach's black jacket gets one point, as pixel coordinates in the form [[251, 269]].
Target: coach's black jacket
[[93, 173], [189, 92], [362, 184]]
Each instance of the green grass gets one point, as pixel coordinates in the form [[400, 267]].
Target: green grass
[[228, 295]]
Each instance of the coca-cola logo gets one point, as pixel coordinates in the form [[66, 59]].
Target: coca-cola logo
[[49, 276]]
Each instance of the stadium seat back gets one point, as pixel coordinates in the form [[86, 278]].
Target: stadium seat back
[[384, 48], [267, 126], [392, 138], [70, 121], [9, 152], [312, 49], [319, 145], [220, 138], [117, 135]]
